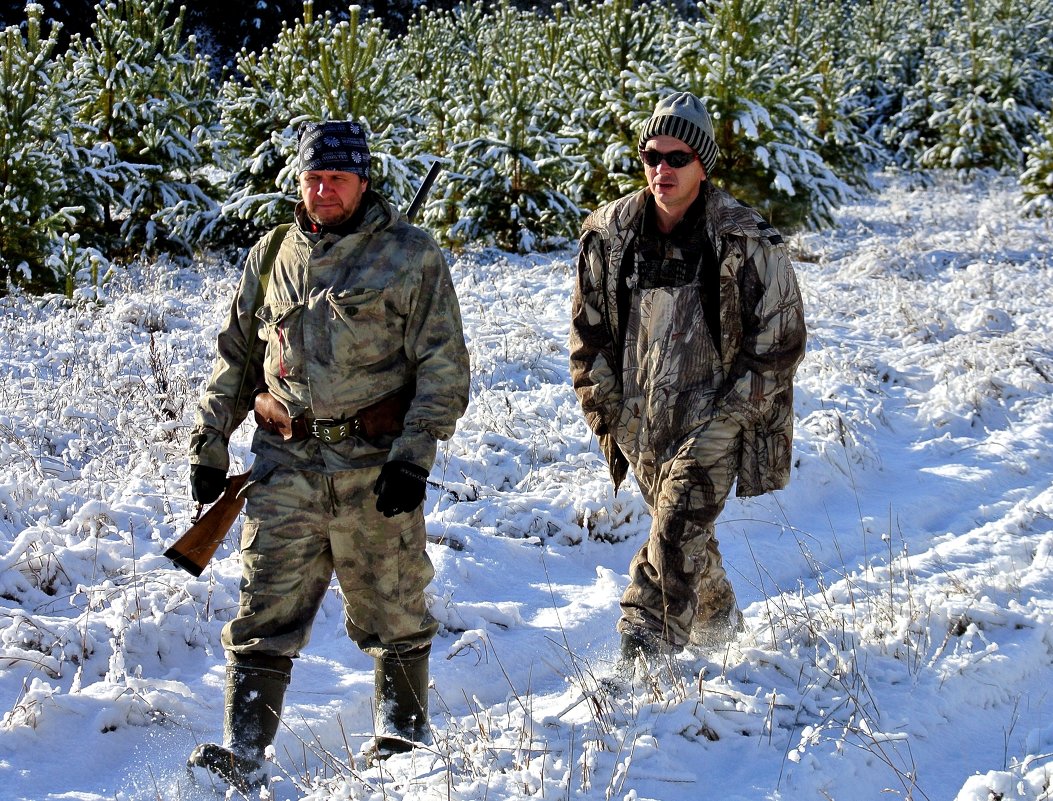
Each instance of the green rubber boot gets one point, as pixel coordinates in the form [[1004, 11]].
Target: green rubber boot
[[252, 711], [401, 684]]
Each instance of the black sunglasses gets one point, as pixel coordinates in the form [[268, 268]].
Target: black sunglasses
[[675, 158]]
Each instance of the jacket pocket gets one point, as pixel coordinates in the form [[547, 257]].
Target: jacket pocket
[[766, 454], [367, 327], [282, 331]]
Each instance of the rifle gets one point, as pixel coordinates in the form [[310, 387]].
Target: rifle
[[198, 545], [422, 191], [194, 549]]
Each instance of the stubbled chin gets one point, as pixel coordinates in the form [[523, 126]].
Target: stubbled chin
[[329, 216]]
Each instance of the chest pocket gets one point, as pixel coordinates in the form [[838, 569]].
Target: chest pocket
[[367, 326], [283, 334]]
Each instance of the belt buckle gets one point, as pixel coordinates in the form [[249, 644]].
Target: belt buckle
[[331, 431], [334, 431]]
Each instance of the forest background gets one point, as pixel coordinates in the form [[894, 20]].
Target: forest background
[[138, 127], [898, 594]]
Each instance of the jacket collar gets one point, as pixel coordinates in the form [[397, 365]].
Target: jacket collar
[[724, 215]]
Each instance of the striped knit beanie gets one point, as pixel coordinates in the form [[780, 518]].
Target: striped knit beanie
[[337, 145], [682, 116]]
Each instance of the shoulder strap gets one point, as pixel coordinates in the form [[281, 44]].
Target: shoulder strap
[[277, 236]]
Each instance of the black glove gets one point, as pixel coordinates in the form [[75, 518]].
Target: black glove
[[206, 483], [400, 488]]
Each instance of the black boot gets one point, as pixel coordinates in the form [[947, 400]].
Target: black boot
[[639, 643], [401, 684], [642, 650], [252, 710], [719, 628]]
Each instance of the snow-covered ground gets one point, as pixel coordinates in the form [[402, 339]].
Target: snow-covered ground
[[898, 594]]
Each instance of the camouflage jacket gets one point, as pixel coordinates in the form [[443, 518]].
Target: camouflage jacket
[[346, 321], [762, 335]]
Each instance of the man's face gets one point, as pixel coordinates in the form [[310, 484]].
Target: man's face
[[331, 196], [674, 188]]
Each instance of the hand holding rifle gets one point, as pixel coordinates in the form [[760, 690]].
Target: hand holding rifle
[[194, 549]]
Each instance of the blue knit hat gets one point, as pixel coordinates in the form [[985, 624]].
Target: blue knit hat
[[338, 145], [682, 116]]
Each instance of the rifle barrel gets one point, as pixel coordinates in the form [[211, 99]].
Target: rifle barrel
[[422, 193]]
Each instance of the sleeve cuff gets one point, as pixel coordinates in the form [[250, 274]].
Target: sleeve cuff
[[418, 447]]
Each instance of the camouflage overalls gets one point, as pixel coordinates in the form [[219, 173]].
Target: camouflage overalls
[[691, 394], [347, 319]]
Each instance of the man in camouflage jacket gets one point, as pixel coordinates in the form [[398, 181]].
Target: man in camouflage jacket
[[687, 327], [353, 358]]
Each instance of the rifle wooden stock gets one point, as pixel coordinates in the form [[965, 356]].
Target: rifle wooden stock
[[194, 549]]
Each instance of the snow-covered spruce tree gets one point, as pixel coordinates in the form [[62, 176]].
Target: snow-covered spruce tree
[[509, 154], [815, 37], [908, 131], [436, 56], [463, 108], [980, 86], [148, 106], [318, 69], [881, 51], [612, 47], [762, 112], [1037, 178], [33, 170]]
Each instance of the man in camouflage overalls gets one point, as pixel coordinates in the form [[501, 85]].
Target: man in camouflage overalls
[[360, 368], [687, 327]]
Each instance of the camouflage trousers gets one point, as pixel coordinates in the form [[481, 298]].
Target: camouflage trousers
[[677, 578], [300, 528]]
